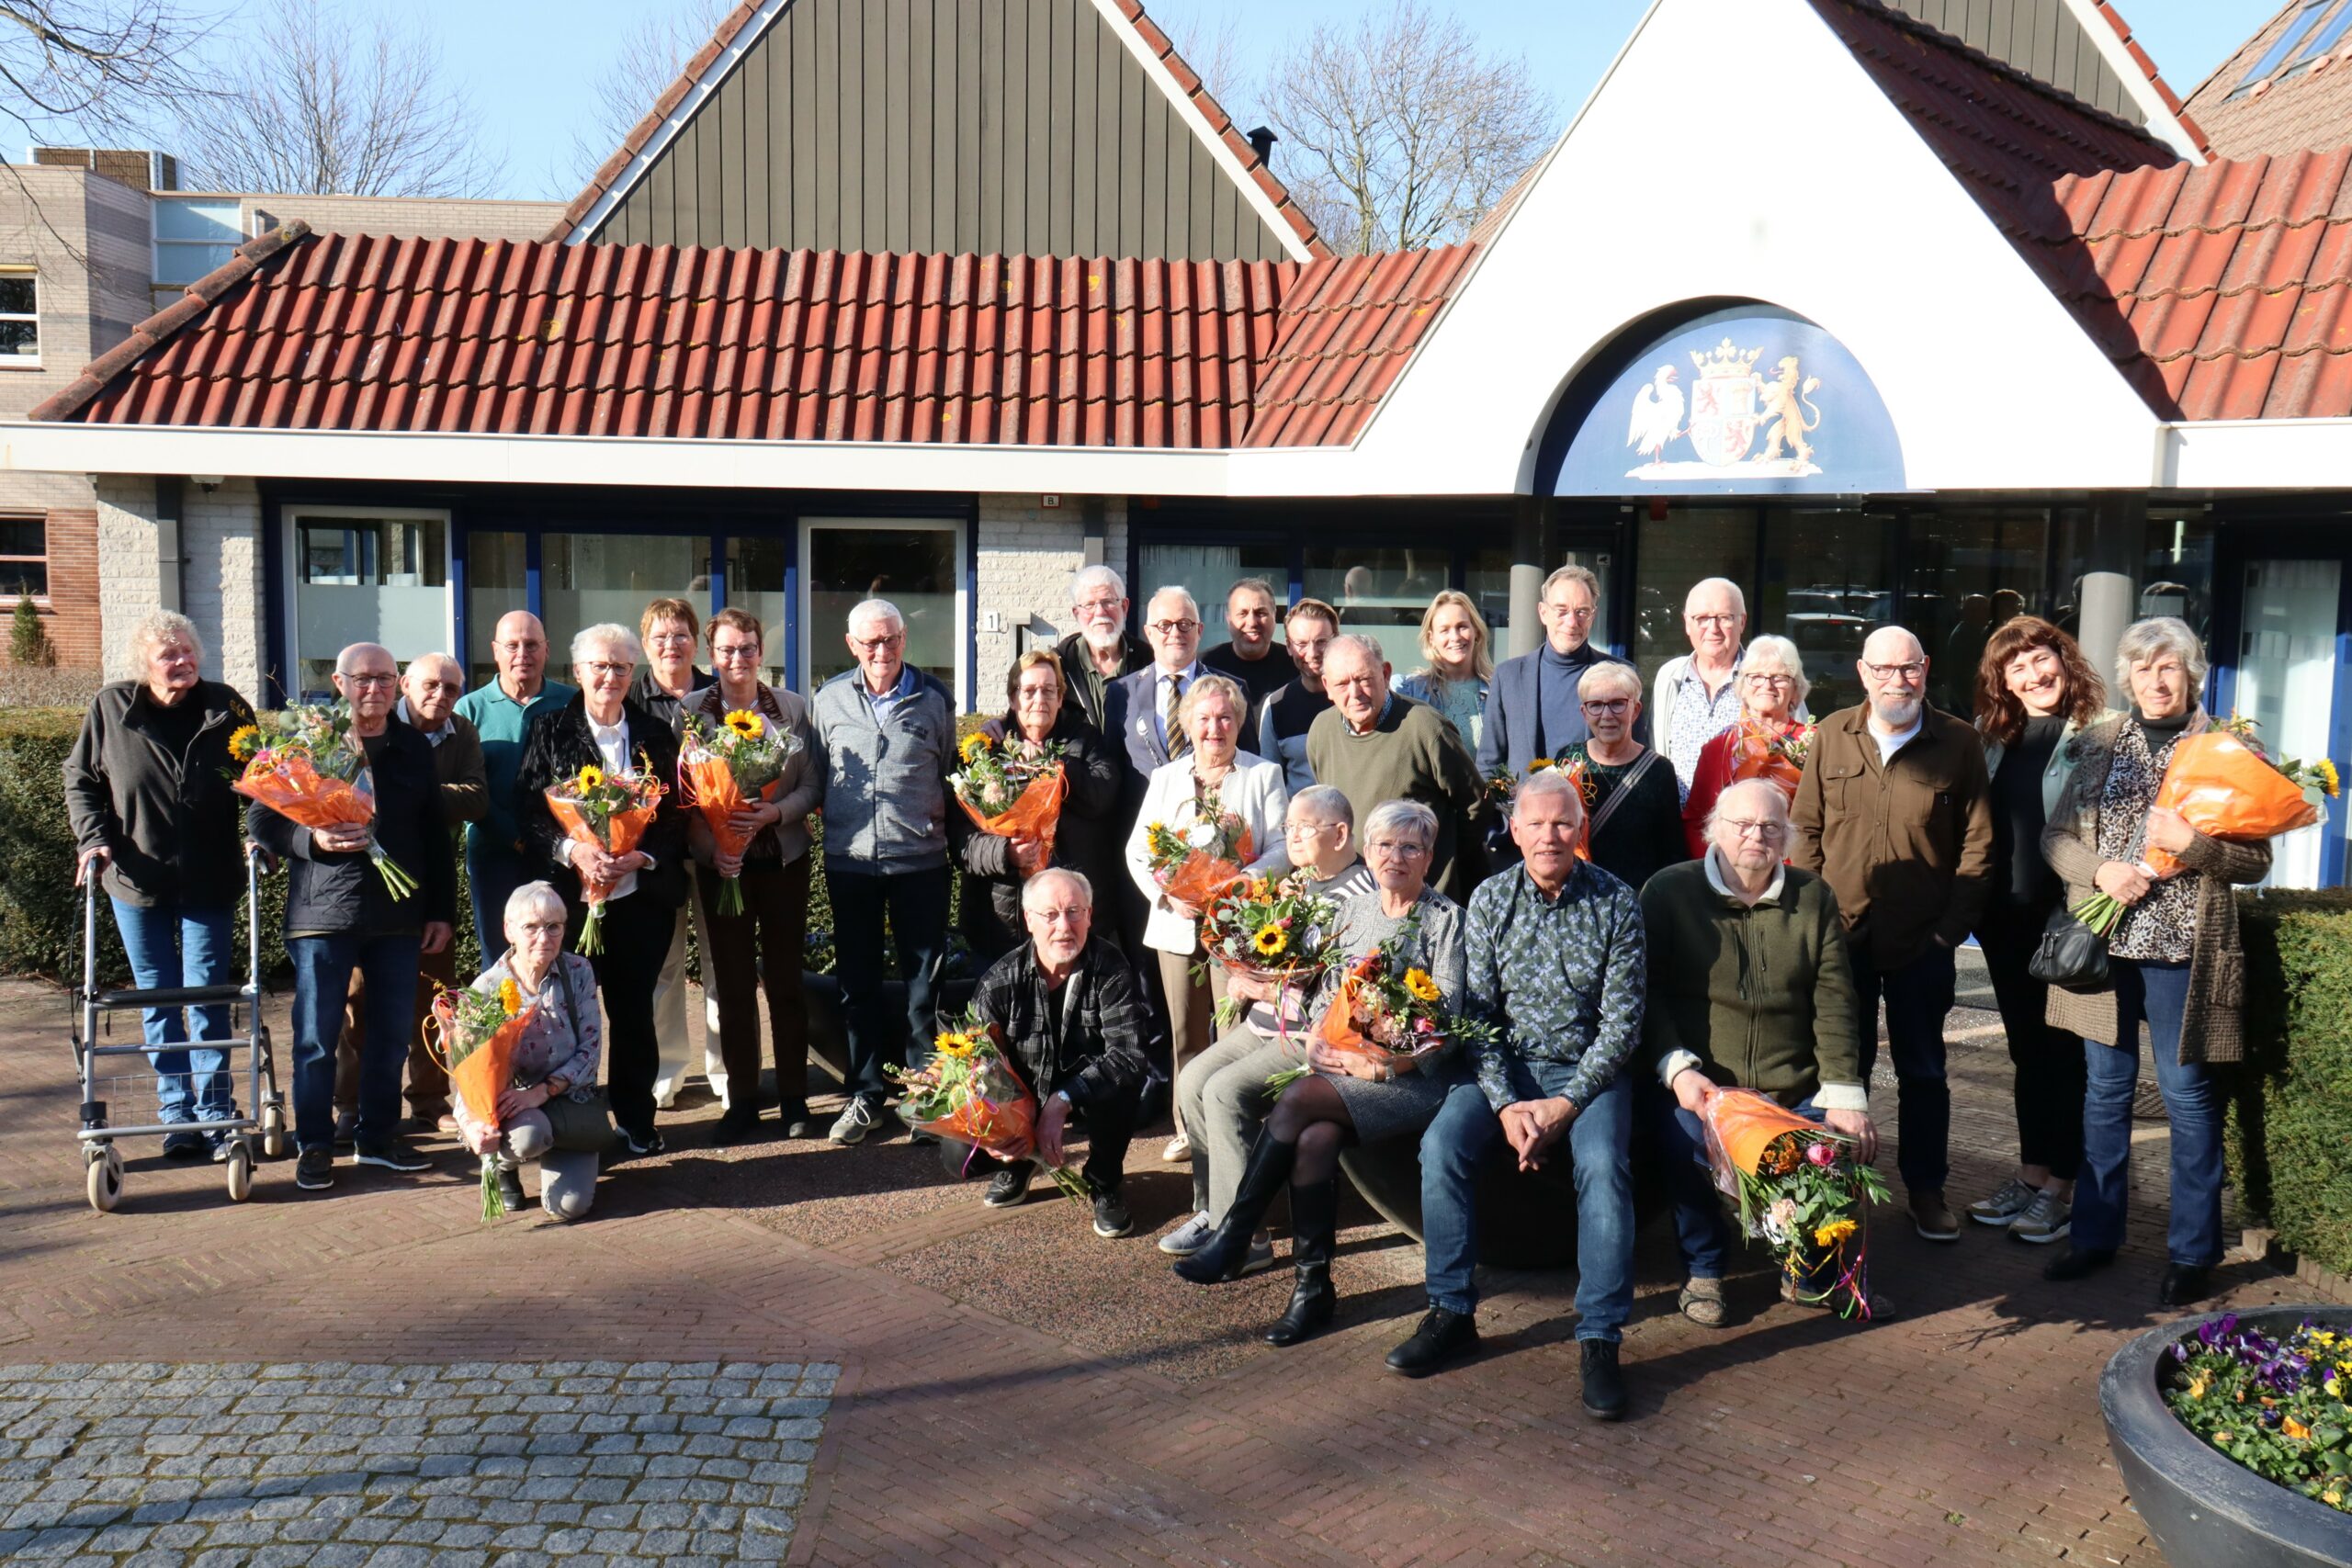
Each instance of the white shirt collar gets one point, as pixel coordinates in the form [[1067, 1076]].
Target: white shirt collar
[[1721, 881], [449, 725]]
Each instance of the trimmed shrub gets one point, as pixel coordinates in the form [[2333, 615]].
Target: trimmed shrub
[[2290, 1103]]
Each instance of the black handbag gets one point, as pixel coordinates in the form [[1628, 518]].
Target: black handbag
[[2069, 955], [581, 1123]]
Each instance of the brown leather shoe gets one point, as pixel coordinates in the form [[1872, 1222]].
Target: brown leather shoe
[[1933, 1218]]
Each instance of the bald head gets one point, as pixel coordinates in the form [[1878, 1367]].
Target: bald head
[[519, 645], [433, 684], [1894, 667]]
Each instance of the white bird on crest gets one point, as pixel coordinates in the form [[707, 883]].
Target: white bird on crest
[[1657, 415]]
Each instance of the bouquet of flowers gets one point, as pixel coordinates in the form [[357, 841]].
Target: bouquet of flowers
[[1269, 930], [2276, 1405], [967, 1091], [474, 1034], [1387, 1009], [1799, 1186], [1192, 863], [1014, 793], [305, 764], [724, 768], [612, 812], [1766, 751]]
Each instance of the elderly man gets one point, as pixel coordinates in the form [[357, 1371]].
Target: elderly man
[[1636, 811], [1102, 650], [1073, 1019], [1532, 708], [1556, 969], [1249, 656], [888, 732], [1375, 746], [1893, 812], [340, 915], [501, 713], [1284, 717], [429, 694], [1696, 694], [1138, 709], [1751, 988]]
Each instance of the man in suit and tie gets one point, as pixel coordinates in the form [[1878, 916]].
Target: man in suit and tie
[[1138, 709], [1533, 709]]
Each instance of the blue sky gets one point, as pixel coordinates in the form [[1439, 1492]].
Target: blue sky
[[526, 60]]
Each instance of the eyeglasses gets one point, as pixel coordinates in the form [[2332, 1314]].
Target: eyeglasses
[[1397, 847], [1748, 828], [443, 685], [1172, 628], [1895, 671], [373, 680], [1712, 620], [541, 928], [1762, 680], [1573, 612], [1089, 608], [663, 639], [735, 651], [1609, 705], [518, 647], [877, 644], [606, 670]]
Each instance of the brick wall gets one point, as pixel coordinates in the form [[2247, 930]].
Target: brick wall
[[1028, 553], [74, 617], [221, 572], [127, 568]]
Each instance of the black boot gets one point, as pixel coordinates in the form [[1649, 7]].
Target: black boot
[[1314, 1227], [1222, 1256]]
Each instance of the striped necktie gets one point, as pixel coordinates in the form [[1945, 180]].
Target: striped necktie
[[1178, 741]]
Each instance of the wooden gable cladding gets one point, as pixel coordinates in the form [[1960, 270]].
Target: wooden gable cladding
[[988, 127]]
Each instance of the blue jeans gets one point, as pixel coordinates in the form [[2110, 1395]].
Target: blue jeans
[[1467, 1131], [2156, 992], [492, 877], [323, 966], [916, 905], [1919, 996], [172, 945], [1698, 1228]]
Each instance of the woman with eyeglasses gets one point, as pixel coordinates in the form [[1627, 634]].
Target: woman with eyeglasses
[[1773, 688], [764, 946], [551, 1101], [668, 680], [602, 728], [1635, 807]]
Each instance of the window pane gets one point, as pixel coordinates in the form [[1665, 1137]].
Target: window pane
[[24, 536], [1380, 593], [2179, 577], [18, 295], [178, 262], [1208, 572], [1826, 586], [218, 221], [1690, 543], [494, 584], [1970, 571], [18, 578], [588, 579], [19, 340], [367, 579], [913, 568], [755, 570]]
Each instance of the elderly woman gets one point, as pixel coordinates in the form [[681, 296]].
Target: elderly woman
[[1636, 828], [665, 685], [1348, 1099], [1213, 777], [1773, 688], [995, 868], [762, 947], [2035, 691], [147, 790], [555, 1061], [1454, 641], [601, 728], [2175, 962]]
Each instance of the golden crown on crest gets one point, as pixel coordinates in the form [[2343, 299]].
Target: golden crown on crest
[[1726, 360]]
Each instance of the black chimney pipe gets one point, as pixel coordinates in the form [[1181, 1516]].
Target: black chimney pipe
[[1261, 141]]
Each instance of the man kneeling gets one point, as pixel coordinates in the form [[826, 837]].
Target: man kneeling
[[1071, 1019]]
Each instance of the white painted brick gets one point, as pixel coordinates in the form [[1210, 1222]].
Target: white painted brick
[[1027, 556]]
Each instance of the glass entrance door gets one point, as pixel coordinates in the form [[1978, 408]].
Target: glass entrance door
[[2286, 683]]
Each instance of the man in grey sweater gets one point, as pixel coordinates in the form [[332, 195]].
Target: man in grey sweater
[[890, 742]]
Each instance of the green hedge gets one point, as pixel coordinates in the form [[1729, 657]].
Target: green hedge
[[2290, 1103]]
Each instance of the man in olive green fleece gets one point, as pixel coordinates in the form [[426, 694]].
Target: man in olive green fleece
[[1375, 745], [1751, 988]]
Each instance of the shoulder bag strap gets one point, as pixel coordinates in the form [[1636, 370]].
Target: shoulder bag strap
[[1626, 787]]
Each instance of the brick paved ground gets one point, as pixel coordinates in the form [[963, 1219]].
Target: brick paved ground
[[1011, 1389]]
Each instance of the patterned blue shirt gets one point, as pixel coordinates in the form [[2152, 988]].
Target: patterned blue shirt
[[1564, 979]]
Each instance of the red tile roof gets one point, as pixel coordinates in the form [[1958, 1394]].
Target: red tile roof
[[2311, 109], [1196, 98], [2147, 64], [304, 332]]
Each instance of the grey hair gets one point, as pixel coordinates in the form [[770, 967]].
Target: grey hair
[[1780, 654], [1390, 814], [1572, 574], [1207, 687], [1362, 643], [606, 633], [1608, 673], [1095, 576], [344, 661], [529, 897], [1551, 781], [430, 657], [1191, 605], [2143, 641], [1738, 600], [873, 610], [1780, 800], [1056, 873], [1253, 585], [1328, 802], [156, 627]]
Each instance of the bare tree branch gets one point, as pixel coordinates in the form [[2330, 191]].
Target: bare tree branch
[[649, 57], [333, 105], [75, 70], [1218, 55]]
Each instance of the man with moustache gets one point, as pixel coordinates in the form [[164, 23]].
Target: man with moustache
[[1102, 650]]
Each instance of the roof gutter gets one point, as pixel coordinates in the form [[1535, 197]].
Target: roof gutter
[[2255, 454]]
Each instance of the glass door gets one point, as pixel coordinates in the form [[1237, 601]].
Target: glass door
[[2286, 683]]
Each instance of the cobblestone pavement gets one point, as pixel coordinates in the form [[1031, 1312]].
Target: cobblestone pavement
[[333, 1465], [1011, 1389]]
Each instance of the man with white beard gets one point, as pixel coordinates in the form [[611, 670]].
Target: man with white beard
[[1102, 650]]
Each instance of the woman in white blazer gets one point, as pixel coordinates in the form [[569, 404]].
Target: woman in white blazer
[[1210, 715]]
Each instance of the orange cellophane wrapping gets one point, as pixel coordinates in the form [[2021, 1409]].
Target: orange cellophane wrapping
[[2227, 790], [1742, 1126], [1338, 1028], [1201, 877], [1753, 756], [294, 788], [1001, 1122], [708, 784], [479, 1078], [1030, 819], [625, 826]]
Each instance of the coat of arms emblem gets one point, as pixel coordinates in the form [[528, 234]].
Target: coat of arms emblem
[[1730, 405]]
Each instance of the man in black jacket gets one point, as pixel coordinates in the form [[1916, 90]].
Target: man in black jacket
[[1102, 650], [1072, 1021], [340, 916]]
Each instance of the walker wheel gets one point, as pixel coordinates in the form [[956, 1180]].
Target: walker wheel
[[241, 1172], [105, 1180], [272, 1131]]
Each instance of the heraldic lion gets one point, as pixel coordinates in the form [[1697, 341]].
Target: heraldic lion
[[1785, 405]]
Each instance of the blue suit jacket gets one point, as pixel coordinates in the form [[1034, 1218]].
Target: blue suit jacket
[[1507, 737], [1129, 723]]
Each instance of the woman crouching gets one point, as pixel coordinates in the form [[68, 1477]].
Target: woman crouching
[[550, 1112]]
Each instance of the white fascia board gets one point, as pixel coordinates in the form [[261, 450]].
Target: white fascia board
[[1658, 197], [2163, 119], [667, 132], [2256, 453]]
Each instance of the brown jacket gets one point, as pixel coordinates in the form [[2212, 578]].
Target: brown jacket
[[2210, 1024], [1906, 846], [458, 766]]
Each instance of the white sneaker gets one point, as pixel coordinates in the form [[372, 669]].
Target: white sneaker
[[855, 1120], [1189, 1237], [1178, 1152]]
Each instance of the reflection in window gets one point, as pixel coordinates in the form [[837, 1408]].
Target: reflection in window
[[366, 578], [1693, 544], [20, 316], [1970, 569], [587, 579], [495, 584], [2177, 579], [755, 570], [1487, 578], [1832, 586], [1208, 572], [1380, 593], [24, 557], [917, 566]]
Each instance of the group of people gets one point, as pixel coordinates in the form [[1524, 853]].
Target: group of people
[[1634, 918]]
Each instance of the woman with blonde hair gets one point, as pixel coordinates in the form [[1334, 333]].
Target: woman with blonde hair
[[1459, 649]]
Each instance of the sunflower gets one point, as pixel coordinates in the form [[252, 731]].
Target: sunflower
[[1270, 942], [1833, 1233], [591, 777], [1541, 764], [973, 747], [1417, 981], [746, 723], [244, 742], [956, 1044], [510, 996], [2328, 781]]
